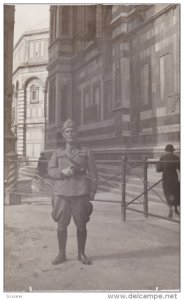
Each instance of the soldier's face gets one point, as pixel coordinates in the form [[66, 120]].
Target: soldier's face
[[70, 135]]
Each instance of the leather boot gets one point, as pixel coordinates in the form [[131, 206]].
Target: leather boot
[[81, 239], [61, 257]]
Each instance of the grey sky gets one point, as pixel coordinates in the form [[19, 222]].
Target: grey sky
[[30, 17]]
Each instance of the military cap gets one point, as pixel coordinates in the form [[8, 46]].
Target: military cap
[[69, 124]]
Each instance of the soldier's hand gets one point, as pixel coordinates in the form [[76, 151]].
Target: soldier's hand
[[67, 171], [91, 196]]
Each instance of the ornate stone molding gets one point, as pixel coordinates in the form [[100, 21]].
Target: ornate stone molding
[[34, 79]]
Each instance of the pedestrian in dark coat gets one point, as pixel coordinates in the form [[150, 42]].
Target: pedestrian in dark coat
[[168, 165], [42, 165], [74, 170]]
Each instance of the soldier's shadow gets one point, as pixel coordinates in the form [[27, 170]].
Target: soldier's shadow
[[142, 253]]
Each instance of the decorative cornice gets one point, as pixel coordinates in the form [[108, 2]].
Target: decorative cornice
[[29, 65], [152, 18], [141, 13], [29, 33], [122, 108], [59, 40], [58, 60]]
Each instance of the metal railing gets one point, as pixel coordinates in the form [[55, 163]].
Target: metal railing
[[147, 188], [11, 189]]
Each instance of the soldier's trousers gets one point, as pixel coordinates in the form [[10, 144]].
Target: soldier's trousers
[[63, 208]]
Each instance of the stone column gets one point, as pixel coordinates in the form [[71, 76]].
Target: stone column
[[99, 21], [82, 106], [101, 98], [70, 100], [44, 92], [21, 123], [82, 11], [58, 101], [57, 21], [9, 138]]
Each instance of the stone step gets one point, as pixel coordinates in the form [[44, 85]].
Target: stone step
[[27, 172]]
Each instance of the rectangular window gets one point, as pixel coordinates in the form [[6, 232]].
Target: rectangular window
[[34, 94], [28, 136], [165, 82], [125, 82], [77, 106], [64, 103], [92, 104], [37, 49], [117, 86], [96, 104], [31, 49], [86, 99], [108, 100], [29, 150], [34, 49], [145, 82], [87, 110], [42, 47]]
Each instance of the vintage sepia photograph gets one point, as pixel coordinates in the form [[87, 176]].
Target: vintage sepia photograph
[[92, 149]]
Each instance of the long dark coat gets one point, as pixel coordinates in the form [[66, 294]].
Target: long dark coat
[[42, 166], [171, 184]]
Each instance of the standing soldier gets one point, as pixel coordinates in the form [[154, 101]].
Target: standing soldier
[[168, 165], [75, 172]]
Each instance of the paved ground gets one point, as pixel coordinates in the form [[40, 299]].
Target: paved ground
[[139, 254]]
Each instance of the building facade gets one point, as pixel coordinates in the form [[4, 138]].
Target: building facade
[[29, 109], [9, 139], [115, 70]]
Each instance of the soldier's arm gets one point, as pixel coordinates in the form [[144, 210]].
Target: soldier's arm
[[92, 171], [53, 169]]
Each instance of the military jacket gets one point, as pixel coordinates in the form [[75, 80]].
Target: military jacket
[[84, 178]]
